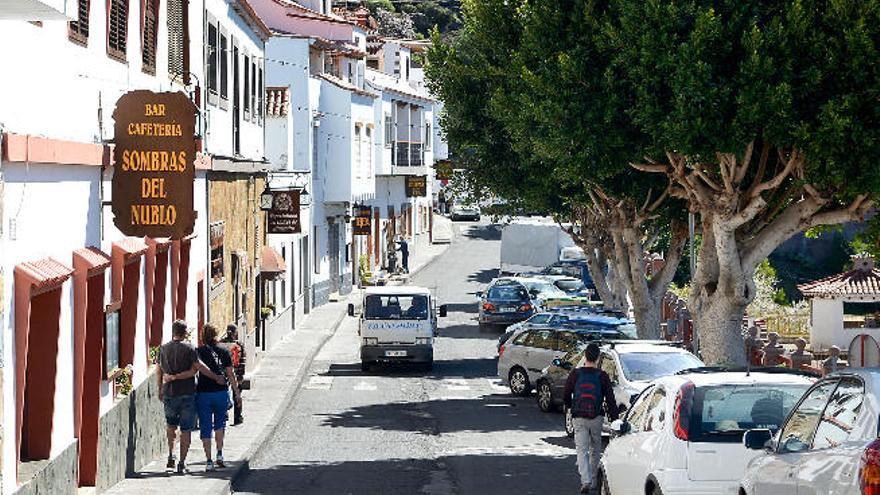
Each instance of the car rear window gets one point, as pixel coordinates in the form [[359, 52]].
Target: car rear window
[[570, 285], [722, 413], [508, 293], [646, 366]]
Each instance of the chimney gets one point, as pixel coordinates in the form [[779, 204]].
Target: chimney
[[863, 262]]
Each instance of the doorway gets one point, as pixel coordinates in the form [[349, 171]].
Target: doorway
[[333, 238]]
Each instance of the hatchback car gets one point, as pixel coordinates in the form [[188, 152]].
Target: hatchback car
[[504, 302], [828, 444], [522, 359], [631, 366], [684, 432], [465, 212]]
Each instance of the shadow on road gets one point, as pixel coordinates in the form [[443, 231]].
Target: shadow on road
[[457, 368], [484, 474], [483, 276], [469, 332], [484, 232], [462, 307], [493, 413]]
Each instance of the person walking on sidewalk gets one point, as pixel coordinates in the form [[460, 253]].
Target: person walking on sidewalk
[[586, 389], [212, 398], [403, 247], [236, 351], [178, 363]]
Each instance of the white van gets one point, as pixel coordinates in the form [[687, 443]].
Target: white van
[[398, 324]]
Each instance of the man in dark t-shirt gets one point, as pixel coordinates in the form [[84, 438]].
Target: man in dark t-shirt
[[178, 363]]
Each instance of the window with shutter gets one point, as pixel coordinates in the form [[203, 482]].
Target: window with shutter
[[117, 29], [247, 87], [224, 66], [253, 94], [78, 30], [211, 68], [260, 94], [150, 27], [178, 41]]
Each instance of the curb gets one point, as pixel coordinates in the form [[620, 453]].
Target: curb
[[243, 467]]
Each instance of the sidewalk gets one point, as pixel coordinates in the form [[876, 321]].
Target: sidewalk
[[276, 380], [275, 384]]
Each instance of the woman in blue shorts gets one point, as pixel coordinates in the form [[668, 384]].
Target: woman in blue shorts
[[212, 399]]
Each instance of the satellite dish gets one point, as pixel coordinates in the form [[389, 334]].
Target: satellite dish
[[864, 352]]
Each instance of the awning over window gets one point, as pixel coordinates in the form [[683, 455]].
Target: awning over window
[[271, 262]]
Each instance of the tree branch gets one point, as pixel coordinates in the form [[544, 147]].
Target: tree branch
[[744, 165], [795, 160], [659, 283]]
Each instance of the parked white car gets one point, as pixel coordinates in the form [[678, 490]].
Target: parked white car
[[684, 433], [828, 445]]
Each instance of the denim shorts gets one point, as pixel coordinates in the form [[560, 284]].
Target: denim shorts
[[181, 411], [212, 408]]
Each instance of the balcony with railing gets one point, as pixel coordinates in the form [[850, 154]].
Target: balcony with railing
[[408, 155]]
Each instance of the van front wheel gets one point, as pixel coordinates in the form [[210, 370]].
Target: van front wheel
[[365, 366]]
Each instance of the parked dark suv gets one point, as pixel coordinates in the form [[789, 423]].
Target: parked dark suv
[[504, 302]]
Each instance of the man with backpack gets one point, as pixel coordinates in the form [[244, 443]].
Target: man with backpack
[[586, 389], [236, 351]]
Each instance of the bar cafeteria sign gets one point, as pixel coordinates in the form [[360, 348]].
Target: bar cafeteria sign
[[283, 217], [361, 223], [153, 169]]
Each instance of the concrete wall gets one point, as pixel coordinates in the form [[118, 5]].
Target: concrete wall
[[58, 476]]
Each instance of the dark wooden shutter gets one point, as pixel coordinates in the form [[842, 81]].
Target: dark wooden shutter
[[176, 39], [211, 68], [224, 65], [151, 25], [117, 29], [247, 87], [79, 29]]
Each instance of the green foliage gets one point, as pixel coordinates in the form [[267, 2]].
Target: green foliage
[[375, 5], [365, 274], [712, 75], [868, 240]]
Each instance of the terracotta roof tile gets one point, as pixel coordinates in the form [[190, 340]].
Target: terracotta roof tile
[[862, 281], [45, 273], [271, 261], [131, 246], [94, 258]]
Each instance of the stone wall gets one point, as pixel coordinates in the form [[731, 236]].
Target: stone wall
[[234, 200], [345, 284], [130, 435], [59, 475], [322, 293]]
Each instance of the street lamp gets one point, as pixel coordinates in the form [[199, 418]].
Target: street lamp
[[266, 199]]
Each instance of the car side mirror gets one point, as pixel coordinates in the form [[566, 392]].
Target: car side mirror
[[443, 311], [757, 439], [478, 294], [350, 309], [557, 362], [620, 427]]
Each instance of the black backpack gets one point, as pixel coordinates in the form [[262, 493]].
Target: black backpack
[[587, 400]]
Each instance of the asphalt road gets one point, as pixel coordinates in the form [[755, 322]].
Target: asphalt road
[[453, 430]]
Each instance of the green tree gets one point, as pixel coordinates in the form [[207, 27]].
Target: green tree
[[533, 118], [763, 114]]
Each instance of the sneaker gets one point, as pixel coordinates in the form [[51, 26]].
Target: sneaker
[[181, 468], [209, 466], [219, 461], [172, 462]]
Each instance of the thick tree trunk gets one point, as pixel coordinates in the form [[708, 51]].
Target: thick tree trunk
[[719, 324]]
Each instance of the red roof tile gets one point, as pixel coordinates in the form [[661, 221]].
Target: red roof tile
[[863, 280], [131, 246], [271, 262], [44, 274], [94, 258]]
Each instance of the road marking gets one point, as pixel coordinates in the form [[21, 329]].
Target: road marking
[[320, 382], [364, 386], [458, 384], [496, 385]]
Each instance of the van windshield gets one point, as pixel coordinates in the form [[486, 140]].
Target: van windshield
[[395, 307]]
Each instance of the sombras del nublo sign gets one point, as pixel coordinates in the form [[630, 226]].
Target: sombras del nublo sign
[[153, 169]]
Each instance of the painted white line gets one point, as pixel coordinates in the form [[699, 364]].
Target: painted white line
[[320, 382], [364, 386], [456, 384], [496, 385]]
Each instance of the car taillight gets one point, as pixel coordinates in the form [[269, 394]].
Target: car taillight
[[525, 308], [869, 472], [501, 350], [488, 307], [681, 416]]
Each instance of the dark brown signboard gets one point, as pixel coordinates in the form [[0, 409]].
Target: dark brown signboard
[[153, 169], [283, 217], [443, 170], [362, 221], [416, 186]]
